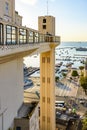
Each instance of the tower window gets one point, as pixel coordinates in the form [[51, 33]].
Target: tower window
[[48, 119], [44, 20], [43, 99], [48, 80], [43, 60], [44, 26], [48, 59], [48, 100], [43, 79], [43, 118]]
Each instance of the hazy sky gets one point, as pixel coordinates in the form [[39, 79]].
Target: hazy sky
[[71, 16]]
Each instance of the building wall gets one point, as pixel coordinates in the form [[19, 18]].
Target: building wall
[[28, 124], [34, 120], [7, 12], [49, 24], [18, 19], [23, 123], [11, 91], [1, 9]]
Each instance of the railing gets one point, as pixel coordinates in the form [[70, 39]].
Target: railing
[[11, 35]]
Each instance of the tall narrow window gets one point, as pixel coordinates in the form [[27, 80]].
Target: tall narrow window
[[6, 8], [41, 37], [43, 60], [1, 33], [48, 80], [48, 59], [48, 119], [43, 79], [48, 100], [31, 37], [11, 35], [36, 36], [22, 36], [43, 118], [43, 99]]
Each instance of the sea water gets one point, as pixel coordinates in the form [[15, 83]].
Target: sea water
[[65, 52]]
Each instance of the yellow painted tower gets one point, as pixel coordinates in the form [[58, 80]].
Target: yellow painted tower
[[46, 25]]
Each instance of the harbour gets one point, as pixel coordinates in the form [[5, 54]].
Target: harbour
[[65, 52], [43, 80]]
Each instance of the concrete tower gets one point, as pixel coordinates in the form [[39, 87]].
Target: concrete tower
[[46, 25]]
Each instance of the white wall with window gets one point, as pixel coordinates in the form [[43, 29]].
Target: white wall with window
[[7, 12], [6, 8]]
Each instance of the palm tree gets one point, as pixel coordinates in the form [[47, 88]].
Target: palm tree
[[81, 68], [83, 83]]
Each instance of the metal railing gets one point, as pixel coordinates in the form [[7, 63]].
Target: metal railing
[[13, 36]]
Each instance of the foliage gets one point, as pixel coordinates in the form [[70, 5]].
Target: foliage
[[56, 78], [83, 83], [84, 123], [81, 67], [74, 73], [86, 113], [64, 74]]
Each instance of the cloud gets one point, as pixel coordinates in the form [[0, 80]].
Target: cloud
[[31, 2]]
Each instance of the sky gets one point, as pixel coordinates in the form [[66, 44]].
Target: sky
[[70, 15]]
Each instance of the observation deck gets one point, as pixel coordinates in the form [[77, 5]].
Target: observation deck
[[21, 41]]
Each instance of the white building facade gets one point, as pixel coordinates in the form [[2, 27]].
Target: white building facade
[[11, 89], [8, 13], [11, 92]]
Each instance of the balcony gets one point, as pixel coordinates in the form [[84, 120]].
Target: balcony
[[22, 41]]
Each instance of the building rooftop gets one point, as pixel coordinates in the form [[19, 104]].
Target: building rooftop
[[26, 110]]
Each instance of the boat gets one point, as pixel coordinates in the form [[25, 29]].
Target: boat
[[59, 64], [81, 49]]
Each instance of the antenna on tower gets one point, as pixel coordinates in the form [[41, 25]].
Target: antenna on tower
[[47, 7]]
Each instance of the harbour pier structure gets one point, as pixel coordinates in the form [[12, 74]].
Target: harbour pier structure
[[16, 42]]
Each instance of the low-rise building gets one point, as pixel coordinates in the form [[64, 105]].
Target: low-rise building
[[28, 117]]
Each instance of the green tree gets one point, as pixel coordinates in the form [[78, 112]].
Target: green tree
[[74, 73], [83, 83], [56, 79], [64, 74], [84, 123]]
